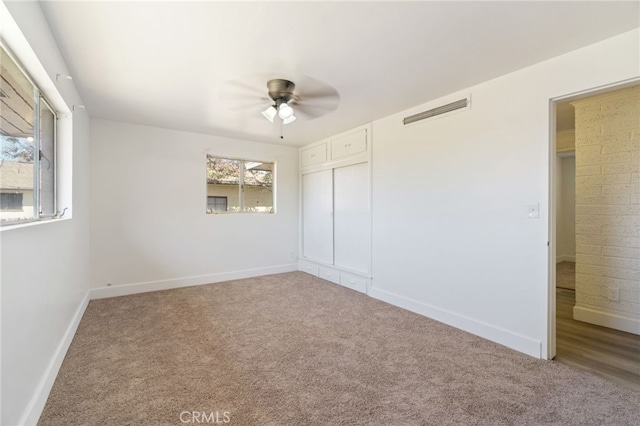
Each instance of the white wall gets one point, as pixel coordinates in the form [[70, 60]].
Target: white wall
[[148, 210], [566, 208], [44, 267], [451, 237]]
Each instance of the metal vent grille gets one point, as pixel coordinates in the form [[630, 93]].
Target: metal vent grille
[[462, 103]]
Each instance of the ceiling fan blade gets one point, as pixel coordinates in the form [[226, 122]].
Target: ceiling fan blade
[[316, 107], [235, 93], [310, 99], [240, 87], [248, 105], [311, 112], [318, 94], [310, 88], [234, 99], [326, 105]]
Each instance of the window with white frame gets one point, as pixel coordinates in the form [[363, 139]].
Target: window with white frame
[[216, 203], [239, 186], [27, 147]]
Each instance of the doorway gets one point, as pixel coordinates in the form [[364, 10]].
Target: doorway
[[594, 256]]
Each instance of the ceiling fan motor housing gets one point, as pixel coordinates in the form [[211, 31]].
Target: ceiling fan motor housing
[[280, 90]]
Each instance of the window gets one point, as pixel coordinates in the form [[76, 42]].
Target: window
[[11, 201], [27, 147], [216, 204], [239, 186]]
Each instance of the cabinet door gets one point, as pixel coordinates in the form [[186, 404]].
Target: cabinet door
[[352, 219], [348, 145], [313, 155], [317, 216]]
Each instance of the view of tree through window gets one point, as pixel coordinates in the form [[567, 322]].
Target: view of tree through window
[[246, 185], [27, 127]]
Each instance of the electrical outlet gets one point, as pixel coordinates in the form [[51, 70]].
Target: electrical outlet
[[612, 294]]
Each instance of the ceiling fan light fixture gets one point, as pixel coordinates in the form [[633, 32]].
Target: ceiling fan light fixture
[[269, 113], [285, 111], [289, 120]]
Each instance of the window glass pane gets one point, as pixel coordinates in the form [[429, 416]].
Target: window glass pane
[[216, 204], [47, 127], [258, 187], [17, 97], [11, 202], [223, 180], [239, 186]]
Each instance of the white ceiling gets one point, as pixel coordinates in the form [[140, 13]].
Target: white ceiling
[[169, 64]]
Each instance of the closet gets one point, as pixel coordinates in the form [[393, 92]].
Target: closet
[[335, 185]]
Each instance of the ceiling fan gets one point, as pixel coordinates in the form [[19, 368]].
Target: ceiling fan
[[287, 100], [281, 92]]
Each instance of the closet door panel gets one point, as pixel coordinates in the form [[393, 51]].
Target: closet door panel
[[317, 216], [352, 220]]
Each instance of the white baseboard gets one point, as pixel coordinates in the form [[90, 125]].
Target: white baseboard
[[499, 335], [606, 319], [144, 287], [565, 258], [36, 405]]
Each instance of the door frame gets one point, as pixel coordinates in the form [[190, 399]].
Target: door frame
[[552, 211]]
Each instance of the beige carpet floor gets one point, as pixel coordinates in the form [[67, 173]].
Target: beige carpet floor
[[291, 349]]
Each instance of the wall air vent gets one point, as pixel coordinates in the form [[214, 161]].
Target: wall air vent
[[462, 103]]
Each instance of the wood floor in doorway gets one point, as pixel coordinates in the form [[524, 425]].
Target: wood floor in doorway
[[566, 275], [606, 352]]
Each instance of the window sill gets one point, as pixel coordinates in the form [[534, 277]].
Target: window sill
[[239, 214], [34, 222]]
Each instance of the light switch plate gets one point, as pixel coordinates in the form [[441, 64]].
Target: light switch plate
[[533, 211]]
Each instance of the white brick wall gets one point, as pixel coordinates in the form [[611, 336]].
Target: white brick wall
[[607, 210]]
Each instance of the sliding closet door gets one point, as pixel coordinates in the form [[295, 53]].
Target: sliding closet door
[[352, 219], [317, 216]]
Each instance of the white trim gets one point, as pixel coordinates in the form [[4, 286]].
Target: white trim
[[144, 287], [606, 319], [499, 335], [598, 90], [37, 403], [549, 331], [565, 258], [549, 340]]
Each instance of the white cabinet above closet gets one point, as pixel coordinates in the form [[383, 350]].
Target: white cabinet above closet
[[314, 155], [345, 148], [354, 143]]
